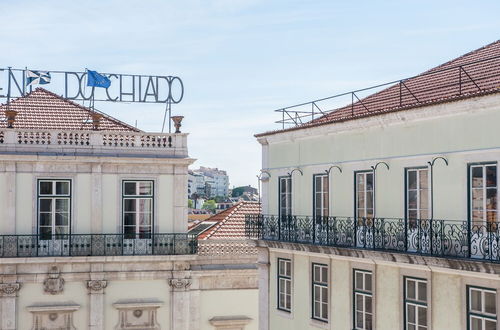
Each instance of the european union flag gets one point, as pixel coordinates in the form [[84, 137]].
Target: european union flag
[[95, 79]]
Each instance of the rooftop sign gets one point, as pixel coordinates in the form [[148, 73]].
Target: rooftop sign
[[73, 86]]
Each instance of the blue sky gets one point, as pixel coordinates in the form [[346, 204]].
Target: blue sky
[[240, 60]]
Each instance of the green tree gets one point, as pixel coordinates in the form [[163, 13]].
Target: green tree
[[190, 203], [210, 205]]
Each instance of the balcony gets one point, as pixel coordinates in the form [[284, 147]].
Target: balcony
[[78, 245], [438, 238], [89, 143]]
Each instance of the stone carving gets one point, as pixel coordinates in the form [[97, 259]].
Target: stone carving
[[47, 316], [96, 286], [54, 283], [179, 283], [9, 289], [137, 314]]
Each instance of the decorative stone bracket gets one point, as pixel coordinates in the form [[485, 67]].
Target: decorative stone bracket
[[9, 289], [96, 286], [179, 283]]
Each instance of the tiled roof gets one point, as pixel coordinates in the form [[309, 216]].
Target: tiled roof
[[480, 76], [42, 109], [230, 222]]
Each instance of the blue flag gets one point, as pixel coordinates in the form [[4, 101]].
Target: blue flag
[[95, 79]]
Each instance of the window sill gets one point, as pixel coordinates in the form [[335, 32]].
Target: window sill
[[319, 324], [284, 314]]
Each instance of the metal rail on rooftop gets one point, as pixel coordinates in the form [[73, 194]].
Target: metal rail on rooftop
[[455, 81]]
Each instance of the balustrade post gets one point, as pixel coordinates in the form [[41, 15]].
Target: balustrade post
[[431, 238], [10, 136], [95, 139]]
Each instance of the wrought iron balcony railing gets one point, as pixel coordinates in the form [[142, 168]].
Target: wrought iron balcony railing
[[72, 245], [440, 238]]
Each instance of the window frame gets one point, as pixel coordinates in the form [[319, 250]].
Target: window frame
[[479, 315], [54, 196], [406, 193], [470, 195], [278, 286], [321, 285], [417, 303], [364, 293], [322, 193], [151, 197], [290, 194], [365, 172]]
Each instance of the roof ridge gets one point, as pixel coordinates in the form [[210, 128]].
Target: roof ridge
[[223, 221], [71, 102]]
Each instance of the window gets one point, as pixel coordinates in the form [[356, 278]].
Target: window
[[417, 195], [481, 308], [364, 195], [483, 195], [321, 195], [320, 292], [415, 303], [285, 284], [137, 209], [363, 315], [54, 208], [285, 187]]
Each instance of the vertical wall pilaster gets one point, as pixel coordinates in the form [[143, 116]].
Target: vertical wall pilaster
[[96, 287], [263, 266], [180, 198], [9, 225], [8, 301], [180, 303], [96, 189]]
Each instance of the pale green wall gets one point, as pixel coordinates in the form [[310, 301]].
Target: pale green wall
[[33, 294], [83, 205], [401, 144], [143, 289], [111, 203], [165, 205], [238, 302], [82, 200], [447, 304], [25, 202]]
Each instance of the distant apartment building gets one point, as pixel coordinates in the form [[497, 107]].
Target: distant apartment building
[[208, 182]]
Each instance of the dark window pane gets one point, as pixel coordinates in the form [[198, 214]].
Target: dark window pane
[[45, 219], [359, 281], [62, 205], [129, 188], [129, 205], [368, 282], [475, 300], [129, 219], [491, 176], [62, 188], [369, 181], [145, 188], [490, 305], [45, 188], [62, 219], [477, 177], [422, 291], [424, 179], [412, 179], [412, 199], [45, 205], [410, 289]]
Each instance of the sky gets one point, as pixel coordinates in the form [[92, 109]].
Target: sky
[[241, 59]]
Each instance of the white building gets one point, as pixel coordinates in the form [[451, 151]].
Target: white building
[[216, 182], [383, 214], [93, 228]]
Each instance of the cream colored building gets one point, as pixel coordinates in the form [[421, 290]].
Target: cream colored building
[[93, 229], [383, 214]]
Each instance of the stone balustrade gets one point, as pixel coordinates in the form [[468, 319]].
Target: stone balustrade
[[92, 142]]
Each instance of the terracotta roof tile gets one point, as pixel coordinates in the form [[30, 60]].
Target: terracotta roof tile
[[42, 109], [230, 222], [437, 85]]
